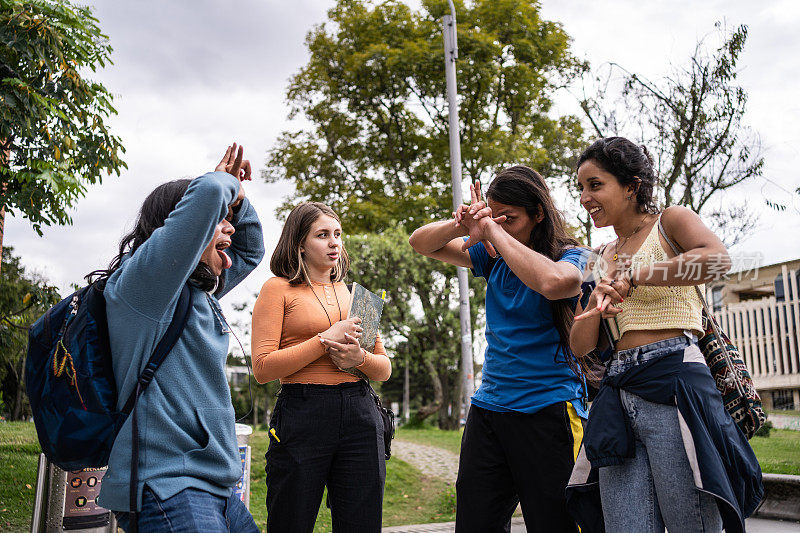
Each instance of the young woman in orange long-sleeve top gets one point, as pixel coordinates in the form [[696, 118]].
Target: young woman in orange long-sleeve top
[[325, 429]]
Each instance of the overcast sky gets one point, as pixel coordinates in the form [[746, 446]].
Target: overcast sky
[[189, 77]]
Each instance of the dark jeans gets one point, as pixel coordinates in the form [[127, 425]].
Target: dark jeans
[[510, 458], [330, 435], [190, 511]]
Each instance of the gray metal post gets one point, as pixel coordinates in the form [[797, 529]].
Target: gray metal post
[[450, 55], [406, 393]]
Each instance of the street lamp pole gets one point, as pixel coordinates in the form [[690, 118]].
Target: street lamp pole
[[450, 55]]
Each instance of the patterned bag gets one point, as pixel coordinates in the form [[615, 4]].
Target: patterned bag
[[730, 374]]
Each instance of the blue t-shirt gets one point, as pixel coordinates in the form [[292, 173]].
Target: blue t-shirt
[[524, 367]]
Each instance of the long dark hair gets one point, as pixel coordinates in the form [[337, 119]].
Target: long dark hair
[[287, 259], [630, 164], [522, 186], [152, 215]]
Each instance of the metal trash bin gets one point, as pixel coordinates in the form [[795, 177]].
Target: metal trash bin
[[242, 487], [65, 501]]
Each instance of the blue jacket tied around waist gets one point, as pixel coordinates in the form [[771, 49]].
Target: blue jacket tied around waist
[[724, 464], [186, 420]]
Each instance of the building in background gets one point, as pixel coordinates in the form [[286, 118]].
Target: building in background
[[759, 308]]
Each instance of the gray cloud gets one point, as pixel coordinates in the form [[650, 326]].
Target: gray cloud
[[175, 45]]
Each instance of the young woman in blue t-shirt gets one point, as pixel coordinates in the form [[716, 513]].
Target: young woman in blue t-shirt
[[524, 426]]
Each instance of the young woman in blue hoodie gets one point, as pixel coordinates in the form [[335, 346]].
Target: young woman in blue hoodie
[[203, 232]]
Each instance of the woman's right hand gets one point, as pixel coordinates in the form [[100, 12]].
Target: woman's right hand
[[234, 164], [337, 331]]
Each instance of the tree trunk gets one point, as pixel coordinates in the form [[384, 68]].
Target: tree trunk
[[450, 412], [16, 408], [2, 230], [255, 413], [587, 229], [4, 156], [447, 400], [427, 410]]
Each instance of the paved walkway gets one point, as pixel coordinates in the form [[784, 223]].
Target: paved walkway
[[429, 460], [517, 526], [443, 464], [754, 525]]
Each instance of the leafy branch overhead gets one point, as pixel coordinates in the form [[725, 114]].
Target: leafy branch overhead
[[374, 143], [52, 117], [693, 123]]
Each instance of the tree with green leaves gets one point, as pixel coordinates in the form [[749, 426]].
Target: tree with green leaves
[[53, 134], [24, 296], [374, 140], [693, 123]]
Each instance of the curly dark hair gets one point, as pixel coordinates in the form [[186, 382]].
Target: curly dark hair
[[629, 163]]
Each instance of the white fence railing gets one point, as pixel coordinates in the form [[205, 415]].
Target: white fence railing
[[767, 333]]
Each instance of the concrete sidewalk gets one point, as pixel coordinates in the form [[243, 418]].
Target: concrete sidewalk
[[754, 525]]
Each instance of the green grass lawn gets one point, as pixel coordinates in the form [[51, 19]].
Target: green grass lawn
[[19, 455], [779, 453], [409, 498]]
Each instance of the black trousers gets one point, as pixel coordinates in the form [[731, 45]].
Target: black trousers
[[516, 458], [330, 435]]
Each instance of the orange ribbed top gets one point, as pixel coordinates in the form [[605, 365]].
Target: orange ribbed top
[[286, 320]]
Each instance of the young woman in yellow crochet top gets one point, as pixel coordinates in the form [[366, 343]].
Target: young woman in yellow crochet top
[[647, 438]]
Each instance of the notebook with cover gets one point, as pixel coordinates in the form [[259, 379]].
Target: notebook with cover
[[368, 306]]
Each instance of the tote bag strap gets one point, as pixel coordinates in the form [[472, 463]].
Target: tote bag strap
[[717, 332]]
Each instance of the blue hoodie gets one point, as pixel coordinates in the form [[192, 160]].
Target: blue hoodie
[[186, 420]]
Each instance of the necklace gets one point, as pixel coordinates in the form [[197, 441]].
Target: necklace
[[323, 306], [618, 245]]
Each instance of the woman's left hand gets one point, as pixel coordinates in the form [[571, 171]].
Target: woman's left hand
[[346, 355]]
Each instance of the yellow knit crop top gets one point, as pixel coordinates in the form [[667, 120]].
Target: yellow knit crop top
[[654, 308]]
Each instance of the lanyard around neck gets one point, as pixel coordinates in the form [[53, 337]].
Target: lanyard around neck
[[323, 305]]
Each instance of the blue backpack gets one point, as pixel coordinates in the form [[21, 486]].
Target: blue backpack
[[70, 382]]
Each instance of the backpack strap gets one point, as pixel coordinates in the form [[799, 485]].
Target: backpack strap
[[165, 345]]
